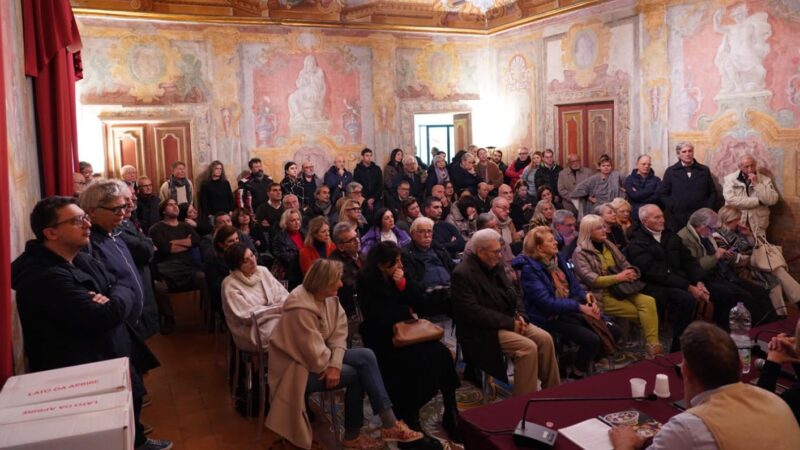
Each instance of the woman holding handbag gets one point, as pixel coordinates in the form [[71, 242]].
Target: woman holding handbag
[[733, 235], [614, 281], [555, 300], [413, 374]]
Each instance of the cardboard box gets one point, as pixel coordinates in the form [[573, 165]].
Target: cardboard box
[[86, 407], [69, 382], [101, 422]]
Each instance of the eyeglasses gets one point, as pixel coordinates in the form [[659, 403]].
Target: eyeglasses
[[75, 221], [117, 209], [352, 241], [355, 208], [145, 186], [426, 232]]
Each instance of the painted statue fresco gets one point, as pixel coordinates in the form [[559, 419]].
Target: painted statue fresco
[[307, 94], [142, 69]]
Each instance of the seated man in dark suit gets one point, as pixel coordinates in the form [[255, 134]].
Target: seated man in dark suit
[[673, 277], [445, 233], [430, 265], [490, 320], [72, 310]]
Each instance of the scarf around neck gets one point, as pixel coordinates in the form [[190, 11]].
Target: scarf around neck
[[175, 183]]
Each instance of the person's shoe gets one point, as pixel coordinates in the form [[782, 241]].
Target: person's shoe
[[147, 428], [653, 351], [400, 433], [146, 401], [363, 442], [155, 444]]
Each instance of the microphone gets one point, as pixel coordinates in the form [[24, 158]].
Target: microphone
[[529, 434], [761, 362]]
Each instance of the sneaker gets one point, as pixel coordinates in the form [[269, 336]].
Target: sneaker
[[146, 401], [147, 428], [363, 442], [400, 433], [155, 444]]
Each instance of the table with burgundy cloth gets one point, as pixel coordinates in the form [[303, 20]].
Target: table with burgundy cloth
[[491, 426]]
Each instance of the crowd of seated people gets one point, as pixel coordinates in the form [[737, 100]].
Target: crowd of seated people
[[510, 253]]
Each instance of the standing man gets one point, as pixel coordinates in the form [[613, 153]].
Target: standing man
[[488, 170], [147, 204], [686, 187], [490, 320], [371, 178], [751, 193], [178, 187], [269, 213], [547, 175], [337, 178], [72, 310], [568, 179], [309, 181], [129, 176], [253, 190]]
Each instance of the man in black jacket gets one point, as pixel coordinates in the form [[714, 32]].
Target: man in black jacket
[[490, 320], [444, 233], [673, 276], [147, 204], [430, 265], [72, 310], [686, 187], [547, 175], [371, 178]]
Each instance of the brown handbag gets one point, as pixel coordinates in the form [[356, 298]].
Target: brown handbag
[[704, 311], [413, 331]]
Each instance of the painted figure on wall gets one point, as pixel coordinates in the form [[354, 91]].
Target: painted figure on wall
[[266, 123], [585, 51], [351, 121], [307, 103], [740, 56]]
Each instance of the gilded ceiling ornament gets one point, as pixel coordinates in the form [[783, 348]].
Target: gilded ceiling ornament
[[584, 47], [438, 68], [145, 63]]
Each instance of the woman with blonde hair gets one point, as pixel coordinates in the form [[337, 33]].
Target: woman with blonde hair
[[735, 236], [350, 212], [555, 300], [624, 211], [321, 361], [600, 266], [317, 243], [286, 247], [543, 214]]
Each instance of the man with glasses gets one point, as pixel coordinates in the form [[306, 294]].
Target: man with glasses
[[564, 226], [71, 308], [309, 181], [490, 320], [568, 178], [348, 246], [147, 204], [429, 264], [501, 210]]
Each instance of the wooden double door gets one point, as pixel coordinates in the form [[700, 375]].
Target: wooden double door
[[586, 130], [149, 146]]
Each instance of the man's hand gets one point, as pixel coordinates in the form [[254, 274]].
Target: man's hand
[[782, 349], [721, 253], [625, 438], [265, 223], [697, 293], [99, 298], [331, 376], [519, 325], [592, 199], [753, 177]]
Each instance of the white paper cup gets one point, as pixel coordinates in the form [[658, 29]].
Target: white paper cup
[[637, 387], [662, 386]]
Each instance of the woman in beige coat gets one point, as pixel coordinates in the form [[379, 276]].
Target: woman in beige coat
[[308, 354]]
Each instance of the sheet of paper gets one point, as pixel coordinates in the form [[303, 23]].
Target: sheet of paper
[[589, 434]]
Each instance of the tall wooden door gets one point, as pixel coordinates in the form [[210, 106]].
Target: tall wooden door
[[462, 124], [586, 130], [150, 147]]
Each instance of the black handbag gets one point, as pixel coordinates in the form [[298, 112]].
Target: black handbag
[[625, 289]]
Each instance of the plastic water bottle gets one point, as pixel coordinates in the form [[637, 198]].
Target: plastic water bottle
[[739, 321]]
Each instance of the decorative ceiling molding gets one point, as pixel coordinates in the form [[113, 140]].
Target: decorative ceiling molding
[[472, 17]]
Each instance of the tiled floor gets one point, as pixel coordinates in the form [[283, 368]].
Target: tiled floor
[[191, 404]]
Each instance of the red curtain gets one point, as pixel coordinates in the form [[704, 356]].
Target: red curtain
[[52, 58], [6, 364]]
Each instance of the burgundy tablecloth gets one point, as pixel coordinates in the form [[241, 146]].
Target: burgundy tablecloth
[[490, 426]]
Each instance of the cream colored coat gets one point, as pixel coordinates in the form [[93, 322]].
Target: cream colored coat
[[754, 205], [241, 296], [310, 337]]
